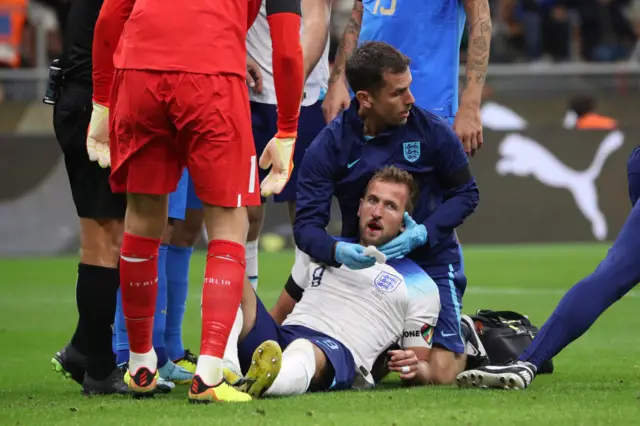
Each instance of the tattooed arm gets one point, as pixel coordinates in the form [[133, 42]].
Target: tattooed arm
[[337, 97], [467, 124], [479, 22], [348, 43]]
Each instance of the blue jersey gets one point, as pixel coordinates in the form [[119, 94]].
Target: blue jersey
[[340, 163], [428, 32]]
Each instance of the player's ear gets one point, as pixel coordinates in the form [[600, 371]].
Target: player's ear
[[364, 98], [360, 207]]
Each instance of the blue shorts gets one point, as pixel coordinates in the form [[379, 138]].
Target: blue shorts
[[184, 197], [266, 328], [451, 283], [264, 121]]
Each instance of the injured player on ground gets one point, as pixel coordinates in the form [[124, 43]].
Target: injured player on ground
[[346, 319]]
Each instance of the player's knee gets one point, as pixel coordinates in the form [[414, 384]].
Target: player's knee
[[226, 223], [146, 215], [100, 242], [117, 232]]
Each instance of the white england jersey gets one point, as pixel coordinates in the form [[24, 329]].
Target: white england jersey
[[259, 48], [367, 310]]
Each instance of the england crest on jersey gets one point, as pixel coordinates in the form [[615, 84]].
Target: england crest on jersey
[[411, 151], [387, 282]]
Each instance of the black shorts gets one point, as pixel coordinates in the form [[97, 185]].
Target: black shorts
[[89, 182]]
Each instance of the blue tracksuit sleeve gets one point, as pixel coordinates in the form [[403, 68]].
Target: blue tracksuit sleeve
[[313, 200], [461, 195]]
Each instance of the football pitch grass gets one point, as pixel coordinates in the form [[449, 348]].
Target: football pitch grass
[[595, 382]]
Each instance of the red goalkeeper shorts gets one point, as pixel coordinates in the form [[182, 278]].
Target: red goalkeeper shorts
[[163, 121]]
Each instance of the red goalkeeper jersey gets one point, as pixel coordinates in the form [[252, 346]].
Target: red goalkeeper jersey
[[199, 36]]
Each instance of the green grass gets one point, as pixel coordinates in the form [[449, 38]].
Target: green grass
[[596, 378]]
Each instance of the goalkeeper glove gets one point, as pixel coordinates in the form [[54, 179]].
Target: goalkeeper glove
[[98, 136], [279, 155], [414, 235]]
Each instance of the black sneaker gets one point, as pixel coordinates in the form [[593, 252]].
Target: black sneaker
[[113, 384], [518, 375], [476, 353], [70, 363]]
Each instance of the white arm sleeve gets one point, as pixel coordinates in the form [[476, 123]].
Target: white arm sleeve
[[300, 269], [420, 322]]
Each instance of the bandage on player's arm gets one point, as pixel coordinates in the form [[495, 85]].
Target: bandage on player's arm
[[284, 18]]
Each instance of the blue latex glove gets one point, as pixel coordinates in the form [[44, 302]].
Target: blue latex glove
[[351, 256], [413, 236]]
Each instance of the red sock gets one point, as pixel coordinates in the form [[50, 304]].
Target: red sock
[[139, 288], [221, 294]]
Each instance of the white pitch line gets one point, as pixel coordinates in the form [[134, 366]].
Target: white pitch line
[[526, 291]]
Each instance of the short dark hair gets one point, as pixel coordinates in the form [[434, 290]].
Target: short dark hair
[[393, 174], [582, 104], [370, 61]]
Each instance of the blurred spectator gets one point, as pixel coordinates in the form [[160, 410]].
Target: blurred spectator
[[561, 30], [607, 34], [45, 15], [13, 15], [582, 115], [538, 29]]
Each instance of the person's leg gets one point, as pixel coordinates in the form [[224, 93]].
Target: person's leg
[[581, 306], [311, 362], [147, 167], [216, 133], [448, 356], [263, 126], [185, 234], [88, 357], [614, 277]]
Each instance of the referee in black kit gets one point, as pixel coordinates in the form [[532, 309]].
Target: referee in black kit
[[88, 358]]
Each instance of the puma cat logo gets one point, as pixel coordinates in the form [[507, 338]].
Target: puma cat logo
[[522, 156]]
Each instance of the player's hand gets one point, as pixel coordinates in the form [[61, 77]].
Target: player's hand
[[414, 235], [468, 127], [351, 255], [336, 100], [98, 136], [405, 362], [254, 75], [278, 154]]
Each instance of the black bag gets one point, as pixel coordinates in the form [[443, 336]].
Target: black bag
[[505, 335]]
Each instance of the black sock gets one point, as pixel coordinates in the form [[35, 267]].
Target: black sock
[[96, 294], [79, 339]]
